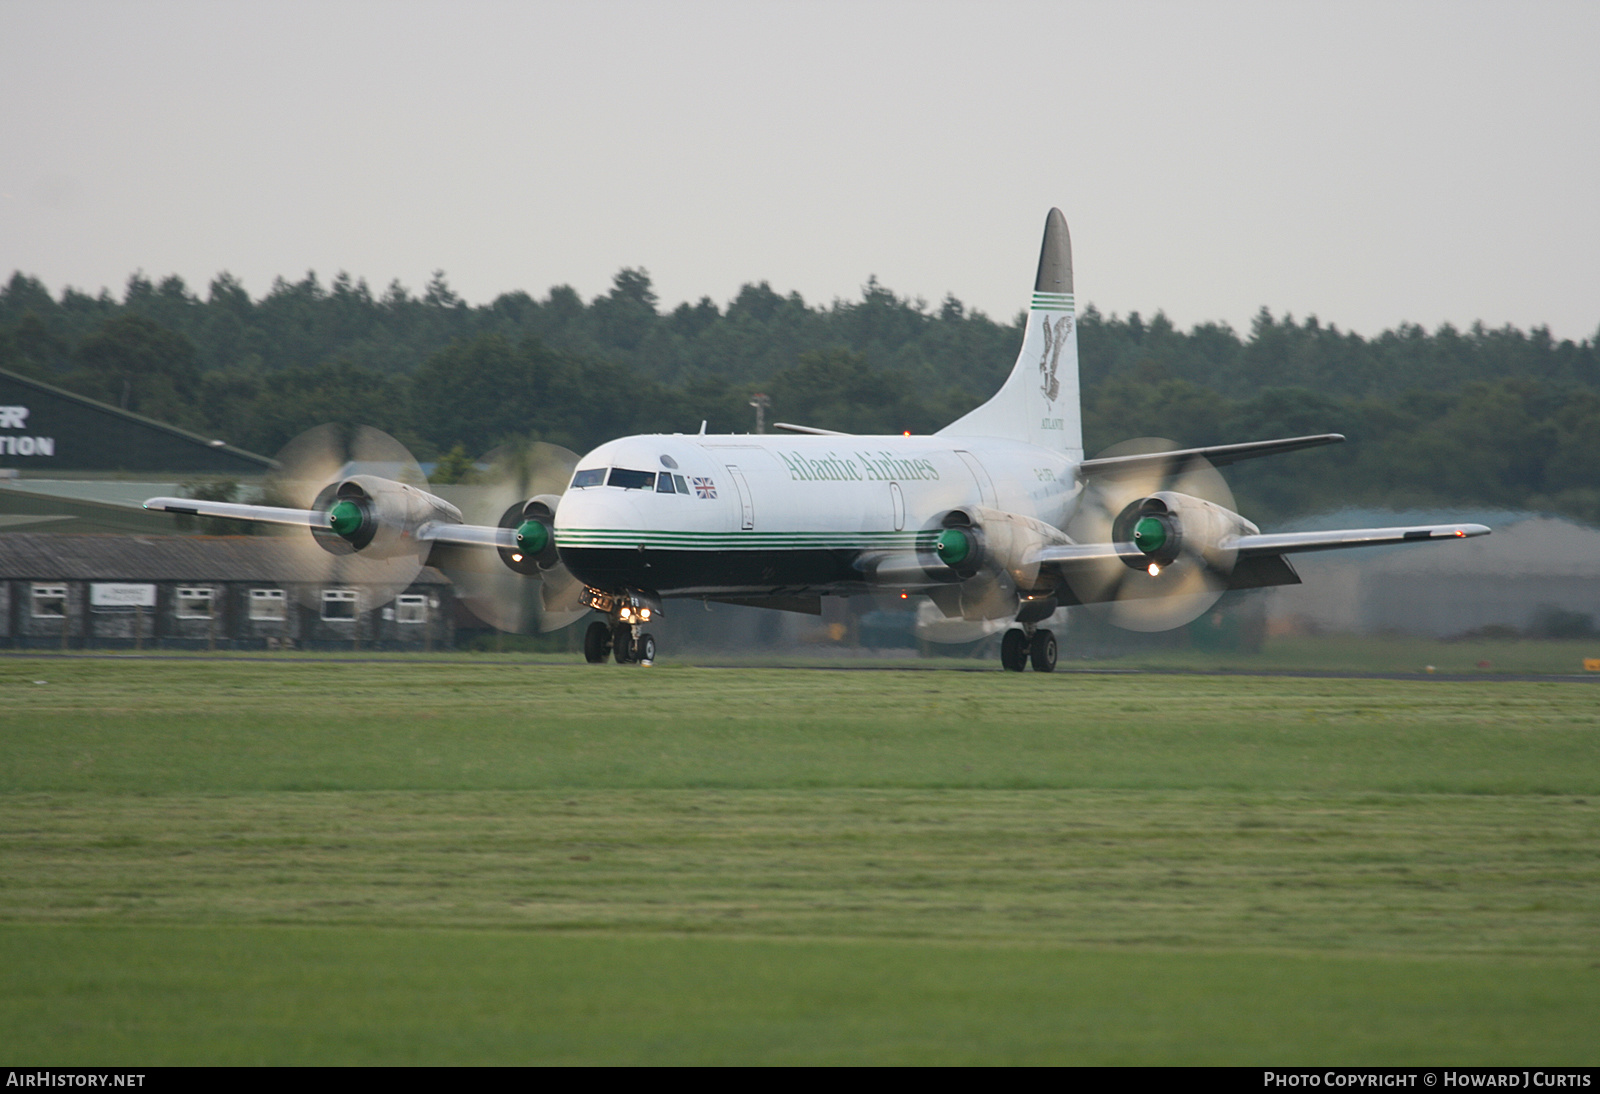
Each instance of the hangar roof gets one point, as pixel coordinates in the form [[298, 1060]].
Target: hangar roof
[[45, 429]]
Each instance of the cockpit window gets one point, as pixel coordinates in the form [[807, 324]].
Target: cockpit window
[[664, 483], [594, 476], [683, 487], [631, 480]]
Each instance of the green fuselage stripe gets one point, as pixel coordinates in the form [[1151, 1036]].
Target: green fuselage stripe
[[764, 541]]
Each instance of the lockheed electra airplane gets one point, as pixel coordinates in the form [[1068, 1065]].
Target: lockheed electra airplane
[[997, 519]]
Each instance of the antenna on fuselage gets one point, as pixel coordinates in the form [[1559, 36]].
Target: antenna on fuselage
[[702, 427]]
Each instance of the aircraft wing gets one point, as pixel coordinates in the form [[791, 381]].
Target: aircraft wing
[[1284, 543], [1259, 559], [1085, 553], [263, 514], [471, 535]]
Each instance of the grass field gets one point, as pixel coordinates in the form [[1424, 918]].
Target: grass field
[[496, 861]]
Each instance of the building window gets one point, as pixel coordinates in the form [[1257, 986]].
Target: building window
[[411, 609], [194, 603], [339, 604], [268, 605], [49, 601]]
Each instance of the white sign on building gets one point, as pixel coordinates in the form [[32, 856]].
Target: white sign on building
[[16, 417], [106, 594]]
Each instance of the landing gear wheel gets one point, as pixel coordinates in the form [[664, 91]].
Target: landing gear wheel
[[622, 643], [596, 642], [645, 649], [1014, 651], [1044, 651]]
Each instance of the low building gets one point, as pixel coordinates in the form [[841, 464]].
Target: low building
[[174, 592]]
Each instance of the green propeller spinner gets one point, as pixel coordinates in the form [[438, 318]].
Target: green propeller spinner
[[532, 537], [1150, 535], [953, 546], [345, 518]]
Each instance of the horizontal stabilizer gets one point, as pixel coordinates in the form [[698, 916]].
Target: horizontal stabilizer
[[790, 427], [1291, 542], [1218, 455]]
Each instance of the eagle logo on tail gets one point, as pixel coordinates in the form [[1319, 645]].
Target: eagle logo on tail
[[1054, 339]]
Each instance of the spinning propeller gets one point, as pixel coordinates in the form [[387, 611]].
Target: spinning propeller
[[311, 468], [992, 552], [381, 525], [1171, 566], [527, 589]]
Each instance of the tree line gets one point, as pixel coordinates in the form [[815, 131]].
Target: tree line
[[1485, 417]]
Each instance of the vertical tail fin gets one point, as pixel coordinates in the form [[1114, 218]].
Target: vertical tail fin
[[1038, 403]]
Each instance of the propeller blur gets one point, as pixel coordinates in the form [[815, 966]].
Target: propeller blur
[[997, 519]]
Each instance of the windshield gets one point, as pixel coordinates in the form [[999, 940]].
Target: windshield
[[632, 480], [594, 476]]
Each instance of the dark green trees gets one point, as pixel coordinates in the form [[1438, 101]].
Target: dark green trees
[[1477, 416]]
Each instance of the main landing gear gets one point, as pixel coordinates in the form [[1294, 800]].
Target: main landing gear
[[620, 641], [1025, 644], [624, 636]]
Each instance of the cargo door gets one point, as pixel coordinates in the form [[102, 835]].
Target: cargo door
[[747, 514]]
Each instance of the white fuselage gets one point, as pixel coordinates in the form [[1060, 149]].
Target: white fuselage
[[771, 514]]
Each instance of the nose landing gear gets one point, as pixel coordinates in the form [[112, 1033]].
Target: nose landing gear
[[624, 636]]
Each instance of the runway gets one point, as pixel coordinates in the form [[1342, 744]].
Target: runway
[[896, 667]]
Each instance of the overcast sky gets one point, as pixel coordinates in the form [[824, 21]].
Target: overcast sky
[[1371, 163]]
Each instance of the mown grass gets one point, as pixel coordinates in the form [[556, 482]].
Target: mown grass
[[1449, 874], [139, 727], [1385, 654], [270, 995], [497, 861]]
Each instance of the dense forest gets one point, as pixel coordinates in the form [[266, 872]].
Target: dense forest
[[1479, 417]]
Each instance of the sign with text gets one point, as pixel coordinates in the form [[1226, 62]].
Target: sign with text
[[105, 594]]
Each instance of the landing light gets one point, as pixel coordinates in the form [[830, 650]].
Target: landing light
[[625, 614], [516, 558], [644, 614], [1154, 569]]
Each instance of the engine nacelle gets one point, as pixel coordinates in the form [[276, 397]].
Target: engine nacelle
[[1166, 525], [378, 517], [980, 539], [535, 523]]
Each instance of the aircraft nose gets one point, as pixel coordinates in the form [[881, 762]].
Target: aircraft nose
[[582, 512]]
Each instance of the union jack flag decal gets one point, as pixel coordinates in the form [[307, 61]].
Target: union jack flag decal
[[704, 487]]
